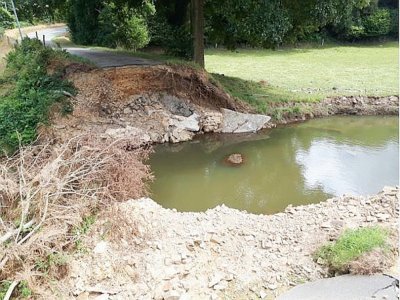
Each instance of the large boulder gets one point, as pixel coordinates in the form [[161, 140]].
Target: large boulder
[[190, 123], [176, 106], [211, 121], [236, 122]]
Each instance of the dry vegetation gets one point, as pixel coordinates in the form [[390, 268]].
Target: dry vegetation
[[47, 192]]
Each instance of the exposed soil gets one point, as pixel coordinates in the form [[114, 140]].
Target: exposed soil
[[145, 104], [222, 253], [141, 103]]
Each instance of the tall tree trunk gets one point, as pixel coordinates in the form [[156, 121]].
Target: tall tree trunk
[[198, 31]]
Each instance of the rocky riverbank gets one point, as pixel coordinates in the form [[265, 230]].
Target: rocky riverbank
[[291, 112], [222, 253], [172, 104]]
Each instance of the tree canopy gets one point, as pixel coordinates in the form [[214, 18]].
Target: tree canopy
[[133, 24]]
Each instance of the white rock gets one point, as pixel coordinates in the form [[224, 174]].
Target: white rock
[[102, 297], [216, 278], [382, 216], [177, 135], [127, 111], [220, 286], [101, 247], [190, 123], [172, 295], [263, 294], [235, 122], [211, 121]]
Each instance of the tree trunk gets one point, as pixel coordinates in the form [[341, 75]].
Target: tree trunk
[[198, 31]]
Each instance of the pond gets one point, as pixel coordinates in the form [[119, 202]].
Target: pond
[[297, 164]]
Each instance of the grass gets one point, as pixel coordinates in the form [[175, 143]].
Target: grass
[[315, 72], [351, 245], [260, 95]]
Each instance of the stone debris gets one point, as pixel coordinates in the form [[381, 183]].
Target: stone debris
[[218, 254]]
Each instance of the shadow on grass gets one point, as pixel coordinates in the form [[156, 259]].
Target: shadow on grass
[[260, 95]]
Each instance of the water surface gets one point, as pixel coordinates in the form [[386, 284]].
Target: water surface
[[298, 164]]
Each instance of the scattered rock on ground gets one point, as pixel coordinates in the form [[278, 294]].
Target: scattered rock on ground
[[175, 255]]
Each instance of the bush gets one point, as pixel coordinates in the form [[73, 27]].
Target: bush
[[378, 23], [122, 27], [33, 91], [6, 19], [351, 245], [394, 30], [176, 40]]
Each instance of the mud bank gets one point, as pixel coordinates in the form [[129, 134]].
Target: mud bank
[[222, 253]]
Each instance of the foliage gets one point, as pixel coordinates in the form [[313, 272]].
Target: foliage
[[110, 23], [33, 91], [265, 23], [6, 19], [124, 26], [83, 20], [351, 245], [378, 23], [170, 28], [37, 11]]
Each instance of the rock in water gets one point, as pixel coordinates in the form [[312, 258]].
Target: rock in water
[[235, 122], [235, 159]]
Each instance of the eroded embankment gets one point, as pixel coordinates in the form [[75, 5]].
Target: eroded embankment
[[173, 103], [222, 253], [138, 250]]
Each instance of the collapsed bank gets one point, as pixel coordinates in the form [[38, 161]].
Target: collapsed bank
[[222, 253]]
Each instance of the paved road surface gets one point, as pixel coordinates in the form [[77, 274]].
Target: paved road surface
[[347, 287], [101, 58]]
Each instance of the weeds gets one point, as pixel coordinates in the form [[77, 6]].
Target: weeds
[[21, 290], [351, 245], [31, 91]]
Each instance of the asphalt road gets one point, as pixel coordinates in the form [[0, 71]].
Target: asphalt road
[[101, 58], [347, 287]]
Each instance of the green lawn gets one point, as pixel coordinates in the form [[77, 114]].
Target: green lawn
[[314, 72]]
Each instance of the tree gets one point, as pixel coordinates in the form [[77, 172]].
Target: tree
[[198, 31]]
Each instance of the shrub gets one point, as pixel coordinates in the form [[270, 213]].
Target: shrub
[[351, 245], [378, 23], [394, 30], [122, 26], [6, 19], [33, 91]]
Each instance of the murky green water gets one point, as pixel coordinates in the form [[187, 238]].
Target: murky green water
[[299, 164]]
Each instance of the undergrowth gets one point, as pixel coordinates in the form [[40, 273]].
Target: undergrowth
[[351, 245], [29, 91]]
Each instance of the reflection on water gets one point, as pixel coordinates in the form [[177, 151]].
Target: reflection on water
[[299, 164]]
